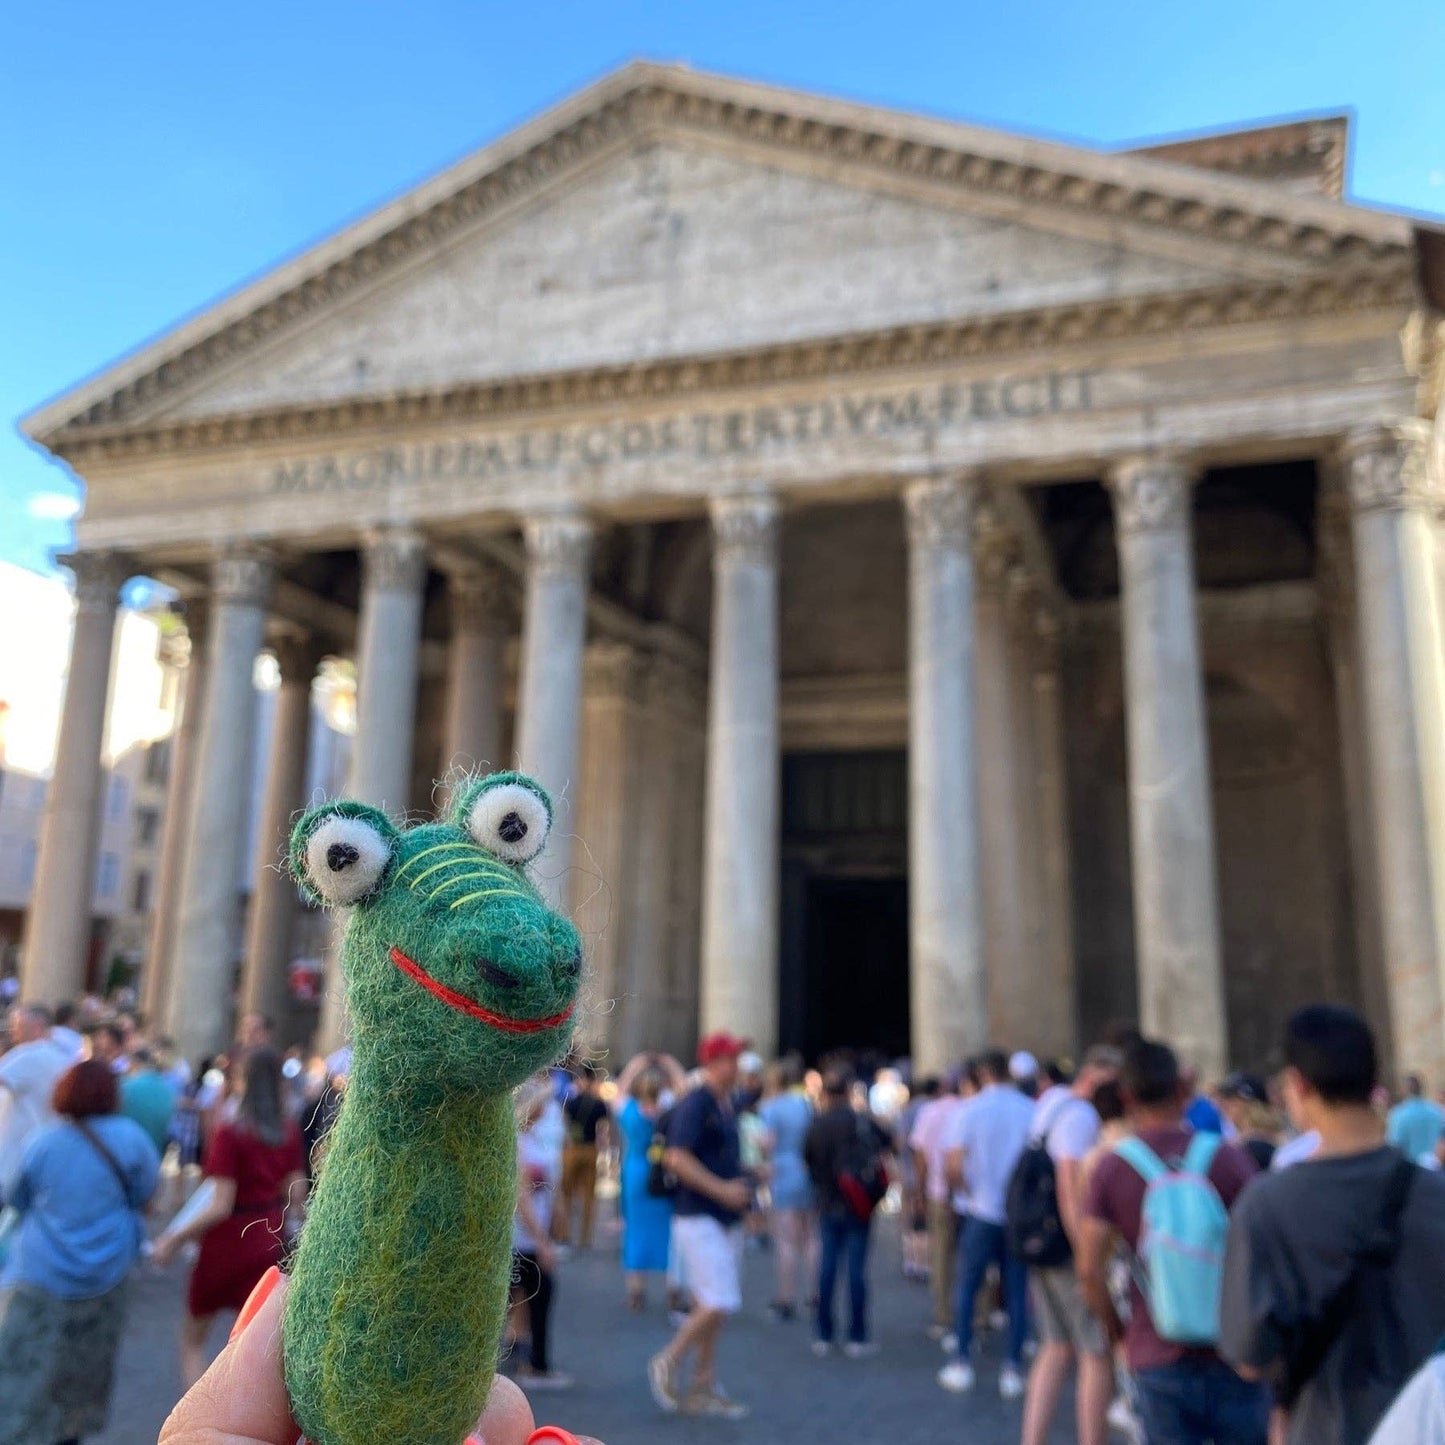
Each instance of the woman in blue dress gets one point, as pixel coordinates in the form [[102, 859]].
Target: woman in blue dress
[[646, 1219], [786, 1113]]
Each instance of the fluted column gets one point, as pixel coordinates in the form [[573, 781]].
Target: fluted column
[[1171, 826], [1061, 1001], [947, 994], [204, 956], [165, 905], [740, 867], [270, 924], [1394, 497], [476, 669], [549, 701], [57, 926], [388, 646], [1000, 757]]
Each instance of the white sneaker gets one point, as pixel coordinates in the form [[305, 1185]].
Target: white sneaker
[[662, 1379], [1122, 1420], [860, 1349], [1010, 1383], [957, 1377], [997, 1320], [949, 1343], [822, 1348]]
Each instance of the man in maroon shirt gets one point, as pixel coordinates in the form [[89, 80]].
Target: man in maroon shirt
[[1187, 1395]]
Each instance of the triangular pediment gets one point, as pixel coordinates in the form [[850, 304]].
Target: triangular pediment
[[670, 252], [665, 214]]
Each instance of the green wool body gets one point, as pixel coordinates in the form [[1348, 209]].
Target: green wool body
[[461, 983]]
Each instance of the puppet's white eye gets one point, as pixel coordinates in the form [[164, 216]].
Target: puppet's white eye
[[346, 859], [510, 820]]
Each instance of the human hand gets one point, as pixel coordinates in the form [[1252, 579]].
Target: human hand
[[735, 1194], [163, 1249], [241, 1399], [547, 1255]]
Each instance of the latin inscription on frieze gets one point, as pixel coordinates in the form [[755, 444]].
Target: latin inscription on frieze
[[752, 431]]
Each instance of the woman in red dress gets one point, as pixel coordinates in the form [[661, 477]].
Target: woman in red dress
[[254, 1167]]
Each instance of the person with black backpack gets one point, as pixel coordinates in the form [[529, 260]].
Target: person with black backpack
[[844, 1149], [1334, 1272], [1044, 1213]]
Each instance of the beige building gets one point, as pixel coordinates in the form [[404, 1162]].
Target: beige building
[[960, 587]]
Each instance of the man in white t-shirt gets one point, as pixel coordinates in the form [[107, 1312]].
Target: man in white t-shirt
[[1069, 1331], [981, 1149], [28, 1074]]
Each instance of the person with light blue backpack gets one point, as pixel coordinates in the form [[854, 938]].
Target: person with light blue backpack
[[1167, 1192]]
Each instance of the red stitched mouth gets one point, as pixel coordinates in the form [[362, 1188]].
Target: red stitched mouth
[[463, 1004]]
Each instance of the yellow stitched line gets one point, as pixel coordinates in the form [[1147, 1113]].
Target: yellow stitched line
[[425, 852], [487, 893], [482, 875], [448, 863]]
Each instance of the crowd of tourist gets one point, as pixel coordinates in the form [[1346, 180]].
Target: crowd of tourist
[[1259, 1261]]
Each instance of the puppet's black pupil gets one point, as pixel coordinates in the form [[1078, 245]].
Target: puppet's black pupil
[[512, 828], [341, 855]]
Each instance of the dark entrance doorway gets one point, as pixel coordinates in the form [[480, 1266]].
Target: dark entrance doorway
[[844, 920]]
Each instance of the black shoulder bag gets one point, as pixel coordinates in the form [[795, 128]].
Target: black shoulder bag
[[1376, 1253], [661, 1181]]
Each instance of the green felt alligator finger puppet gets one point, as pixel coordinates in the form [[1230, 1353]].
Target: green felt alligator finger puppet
[[461, 983]]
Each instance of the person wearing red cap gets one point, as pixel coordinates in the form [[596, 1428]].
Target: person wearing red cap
[[713, 1194]]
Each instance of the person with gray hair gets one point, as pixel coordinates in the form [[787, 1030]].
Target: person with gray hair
[[29, 1073]]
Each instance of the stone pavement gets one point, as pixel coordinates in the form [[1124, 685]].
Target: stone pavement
[[794, 1397]]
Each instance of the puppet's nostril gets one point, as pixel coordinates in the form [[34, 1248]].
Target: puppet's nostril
[[495, 975]]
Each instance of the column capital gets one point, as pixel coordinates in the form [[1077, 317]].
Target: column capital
[[393, 559], [243, 574], [997, 552], [940, 511], [1151, 493], [745, 528], [98, 578], [297, 655], [1386, 467], [481, 597], [196, 614], [558, 543]]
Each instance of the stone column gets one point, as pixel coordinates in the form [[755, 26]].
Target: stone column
[[165, 905], [1394, 497], [1062, 1007], [476, 669], [549, 695], [946, 977], [202, 979], [388, 648], [740, 866], [615, 754], [58, 923], [269, 926], [1339, 608], [1171, 828]]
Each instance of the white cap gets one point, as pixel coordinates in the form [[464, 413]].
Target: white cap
[[1023, 1065]]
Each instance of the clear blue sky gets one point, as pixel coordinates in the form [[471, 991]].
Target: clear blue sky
[[154, 156]]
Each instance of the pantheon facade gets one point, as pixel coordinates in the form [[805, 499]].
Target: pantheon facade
[[958, 587]]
